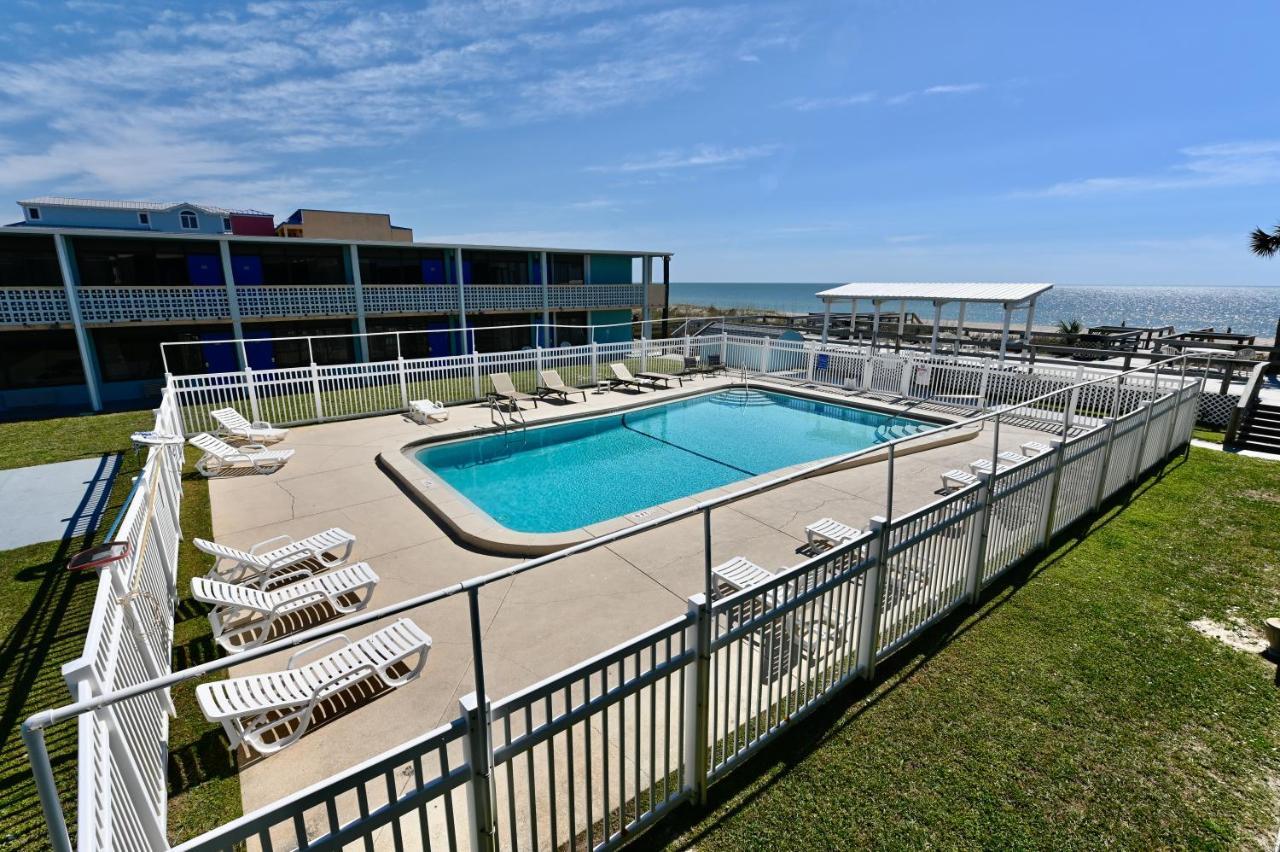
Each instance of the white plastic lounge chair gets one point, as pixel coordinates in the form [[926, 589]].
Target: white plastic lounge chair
[[424, 411], [233, 424], [505, 390], [220, 457], [260, 709], [622, 376], [550, 383], [983, 465], [740, 573], [261, 563], [959, 479], [829, 532], [242, 616], [1035, 448]]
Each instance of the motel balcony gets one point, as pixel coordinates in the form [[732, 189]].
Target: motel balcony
[[44, 305]]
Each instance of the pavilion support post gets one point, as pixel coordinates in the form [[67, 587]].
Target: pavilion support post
[[875, 325], [1004, 331], [853, 319], [826, 320], [1031, 318], [902, 324], [959, 328], [937, 320]]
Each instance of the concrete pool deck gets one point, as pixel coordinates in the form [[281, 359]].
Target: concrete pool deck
[[539, 623]]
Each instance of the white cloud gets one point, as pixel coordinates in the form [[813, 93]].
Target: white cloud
[[1229, 164], [702, 156], [811, 104], [954, 89]]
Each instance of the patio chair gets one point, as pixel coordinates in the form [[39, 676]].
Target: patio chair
[[959, 479], [505, 390], [740, 573], [259, 710], [983, 465], [424, 411], [829, 532], [233, 424], [243, 616], [622, 376], [220, 457], [1035, 448], [715, 364], [550, 384], [260, 564]]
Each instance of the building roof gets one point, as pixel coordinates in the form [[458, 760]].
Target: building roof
[[937, 292], [156, 206]]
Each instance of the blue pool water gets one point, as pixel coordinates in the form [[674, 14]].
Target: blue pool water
[[566, 476]]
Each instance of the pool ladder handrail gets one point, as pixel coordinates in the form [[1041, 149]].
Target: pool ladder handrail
[[505, 420]]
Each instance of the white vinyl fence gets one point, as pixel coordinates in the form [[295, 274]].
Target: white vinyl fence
[[123, 748], [590, 757]]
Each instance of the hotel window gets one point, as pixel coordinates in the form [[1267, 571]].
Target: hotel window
[[144, 219], [33, 213], [226, 224], [188, 220]]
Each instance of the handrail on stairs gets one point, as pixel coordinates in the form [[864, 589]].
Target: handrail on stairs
[[1248, 401]]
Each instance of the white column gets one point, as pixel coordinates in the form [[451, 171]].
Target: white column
[[357, 286], [462, 299], [646, 277], [902, 319], [826, 320], [1004, 330], [545, 337], [875, 324], [70, 284], [853, 318], [959, 328], [586, 269], [233, 301], [937, 319], [1031, 318]]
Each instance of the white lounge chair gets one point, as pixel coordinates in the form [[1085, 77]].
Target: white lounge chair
[[259, 710], [233, 424], [505, 390], [261, 563], [622, 376], [220, 457], [740, 573], [1035, 448], [424, 411], [959, 479], [983, 465], [243, 616], [550, 383], [829, 532]]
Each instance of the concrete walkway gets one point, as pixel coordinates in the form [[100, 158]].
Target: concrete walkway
[[50, 502], [537, 624]]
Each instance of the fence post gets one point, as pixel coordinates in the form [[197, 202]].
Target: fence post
[[809, 361], [1069, 417], [697, 688], [872, 592], [724, 345], [1136, 468], [537, 358], [484, 823], [475, 374], [1051, 499], [686, 340], [315, 391], [868, 369], [977, 546], [252, 393], [1101, 484], [644, 353], [404, 384], [595, 362], [982, 384], [904, 382], [764, 356]]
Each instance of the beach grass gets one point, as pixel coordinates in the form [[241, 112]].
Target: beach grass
[[1075, 708], [44, 617]]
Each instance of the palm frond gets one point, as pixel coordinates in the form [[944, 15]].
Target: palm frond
[[1265, 244]]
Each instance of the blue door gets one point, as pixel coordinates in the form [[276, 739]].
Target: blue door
[[204, 270], [246, 269], [438, 344], [219, 357], [433, 272], [261, 355]]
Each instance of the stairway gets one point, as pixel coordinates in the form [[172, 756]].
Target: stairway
[[1260, 429]]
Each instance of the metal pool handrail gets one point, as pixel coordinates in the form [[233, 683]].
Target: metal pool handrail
[[32, 727]]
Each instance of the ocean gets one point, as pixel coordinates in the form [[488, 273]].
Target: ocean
[[1246, 310]]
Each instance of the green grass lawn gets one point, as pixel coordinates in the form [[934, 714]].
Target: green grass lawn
[[44, 616], [1075, 709]]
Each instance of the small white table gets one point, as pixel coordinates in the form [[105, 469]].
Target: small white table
[[603, 386]]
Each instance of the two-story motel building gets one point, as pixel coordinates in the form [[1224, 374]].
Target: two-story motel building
[[83, 310]]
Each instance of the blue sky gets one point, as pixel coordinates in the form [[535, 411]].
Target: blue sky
[[1073, 142]]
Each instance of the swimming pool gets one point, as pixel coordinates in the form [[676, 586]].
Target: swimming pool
[[566, 476]]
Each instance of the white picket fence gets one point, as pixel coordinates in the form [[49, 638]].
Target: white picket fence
[[316, 393], [592, 756], [123, 748]]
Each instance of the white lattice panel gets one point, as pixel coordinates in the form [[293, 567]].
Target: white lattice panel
[[128, 304], [410, 298], [19, 305], [264, 301], [595, 295], [1215, 408], [502, 297]]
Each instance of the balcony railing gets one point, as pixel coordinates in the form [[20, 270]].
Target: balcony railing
[[108, 305]]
